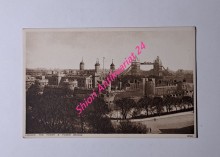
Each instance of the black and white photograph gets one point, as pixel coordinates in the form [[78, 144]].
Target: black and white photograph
[[110, 82], [82, 78]]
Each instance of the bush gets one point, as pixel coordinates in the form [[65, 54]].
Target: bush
[[131, 128]]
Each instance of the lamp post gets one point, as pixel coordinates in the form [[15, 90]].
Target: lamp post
[[103, 66]]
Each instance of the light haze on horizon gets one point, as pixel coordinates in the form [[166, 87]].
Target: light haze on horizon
[[65, 49]]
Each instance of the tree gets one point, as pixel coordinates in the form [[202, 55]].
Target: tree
[[53, 112], [168, 103], [96, 117], [125, 105], [187, 100], [145, 103], [158, 103], [175, 102], [57, 114], [131, 128], [32, 100], [50, 112]]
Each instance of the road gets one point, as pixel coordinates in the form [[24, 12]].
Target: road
[[179, 123]]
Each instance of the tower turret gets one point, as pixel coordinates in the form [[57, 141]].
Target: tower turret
[[81, 65], [97, 66], [135, 66], [157, 66], [112, 66]]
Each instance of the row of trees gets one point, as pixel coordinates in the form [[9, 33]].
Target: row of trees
[[53, 112], [154, 105]]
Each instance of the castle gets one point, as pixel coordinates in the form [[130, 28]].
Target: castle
[[158, 81]]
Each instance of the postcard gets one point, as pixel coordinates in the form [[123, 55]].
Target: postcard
[[110, 82]]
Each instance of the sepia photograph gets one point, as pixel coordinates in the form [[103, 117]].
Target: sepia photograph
[[110, 82]]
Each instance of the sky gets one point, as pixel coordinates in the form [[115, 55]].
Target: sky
[[65, 48]]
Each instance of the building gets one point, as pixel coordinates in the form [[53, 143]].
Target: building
[[165, 90], [112, 66], [30, 80], [148, 86], [82, 65], [79, 81], [132, 81], [42, 81], [157, 67], [54, 78]]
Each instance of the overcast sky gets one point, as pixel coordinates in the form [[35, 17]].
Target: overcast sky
[[64, 49]]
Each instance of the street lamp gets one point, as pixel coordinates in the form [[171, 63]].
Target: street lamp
[[103, 66]]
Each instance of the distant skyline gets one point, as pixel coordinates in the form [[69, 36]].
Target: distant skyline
[[64, 49]]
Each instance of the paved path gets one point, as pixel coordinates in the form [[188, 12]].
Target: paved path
[[170, 122], [164, 116], [167, 122]]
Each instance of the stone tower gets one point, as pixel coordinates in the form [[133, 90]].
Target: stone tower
[[97, 66], [157, 67], [148, 86], [135, 67], [81, 65], [112, 66]]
